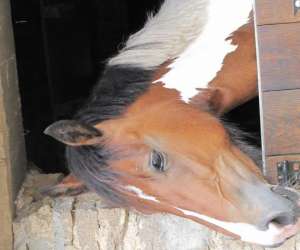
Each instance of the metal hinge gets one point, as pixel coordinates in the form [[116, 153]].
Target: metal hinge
[[288, 173], [296, 6]]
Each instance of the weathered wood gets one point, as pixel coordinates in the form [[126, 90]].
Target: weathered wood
[[281, 117], [6, 210], [279, 55], [277, 29], [276, 11], [12, 153], [271, 165]]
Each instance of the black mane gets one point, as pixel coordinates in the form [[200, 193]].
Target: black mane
[[240, 139], [116, 90], [89, 164], [119, 87]]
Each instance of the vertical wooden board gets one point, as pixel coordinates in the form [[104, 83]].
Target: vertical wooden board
[[281, 116], [6, 209], [279, 56], [12, 150], [278, 40], [276, 11]]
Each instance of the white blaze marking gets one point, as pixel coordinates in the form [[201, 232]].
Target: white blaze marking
[[247, 232], [141, 194], [203, 59]]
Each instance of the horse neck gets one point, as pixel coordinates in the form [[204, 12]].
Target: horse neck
[[202, 56], [165, 35], [233, 85], [215, 60], [236, 82]]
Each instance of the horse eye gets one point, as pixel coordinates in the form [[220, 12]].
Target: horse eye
[[158, 161]]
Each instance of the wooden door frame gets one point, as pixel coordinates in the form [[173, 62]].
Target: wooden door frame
[[277, 28], [12, 149]]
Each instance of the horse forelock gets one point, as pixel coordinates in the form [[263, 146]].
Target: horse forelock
[[90, 165], [119, 86]]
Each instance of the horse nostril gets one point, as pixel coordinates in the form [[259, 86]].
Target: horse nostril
[[282, 219]]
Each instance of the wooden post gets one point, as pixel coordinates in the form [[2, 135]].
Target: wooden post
[[12, 153], [278, 45]]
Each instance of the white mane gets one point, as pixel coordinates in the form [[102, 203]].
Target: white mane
[[165, 35], [196, 33]]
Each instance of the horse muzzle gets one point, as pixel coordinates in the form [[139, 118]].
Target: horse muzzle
[[279, 216]]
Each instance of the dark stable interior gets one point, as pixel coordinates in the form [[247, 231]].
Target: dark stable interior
[[62, 46]]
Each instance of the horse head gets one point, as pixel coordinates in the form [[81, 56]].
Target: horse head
[[164, 155], [139, 142]]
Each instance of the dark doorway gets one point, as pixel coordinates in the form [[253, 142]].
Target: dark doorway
[[61, 48]]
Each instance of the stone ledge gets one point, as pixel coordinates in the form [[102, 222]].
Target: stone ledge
[[83, 222]]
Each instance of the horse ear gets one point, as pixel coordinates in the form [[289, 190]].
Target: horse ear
[[208, 99], [216, 100], [74, 133]]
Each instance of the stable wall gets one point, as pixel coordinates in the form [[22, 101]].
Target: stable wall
[[12, 153]]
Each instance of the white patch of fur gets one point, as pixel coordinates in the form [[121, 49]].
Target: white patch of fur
[[165, 35], [203, 59], [247, 232], [141, 194]]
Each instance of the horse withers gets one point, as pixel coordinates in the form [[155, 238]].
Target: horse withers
[[151, 136]]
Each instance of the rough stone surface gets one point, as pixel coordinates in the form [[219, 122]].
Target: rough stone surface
[[83, 223]]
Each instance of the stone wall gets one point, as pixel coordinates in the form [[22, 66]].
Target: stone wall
[[12, 154], [83, 223]]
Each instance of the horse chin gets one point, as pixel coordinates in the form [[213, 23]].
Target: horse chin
[[276, 245], [287, 232], [273, 237]]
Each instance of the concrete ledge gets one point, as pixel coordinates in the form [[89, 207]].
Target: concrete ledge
[[83, 222]]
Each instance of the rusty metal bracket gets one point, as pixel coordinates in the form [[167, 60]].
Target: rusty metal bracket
[[288, 173]]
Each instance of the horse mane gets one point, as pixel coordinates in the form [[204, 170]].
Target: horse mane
[[89, 164], [129, 73], [165, 35], [240, 139], [119, 87]]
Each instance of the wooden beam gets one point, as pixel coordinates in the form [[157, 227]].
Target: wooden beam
[[278, 47], [279, 50], [6, 214], [281, 121], [12, 153], [276, 11]]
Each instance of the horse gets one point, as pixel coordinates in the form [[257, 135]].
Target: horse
[[151, 136]]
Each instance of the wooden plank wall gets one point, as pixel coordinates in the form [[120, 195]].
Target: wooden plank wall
[[278, 39]]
